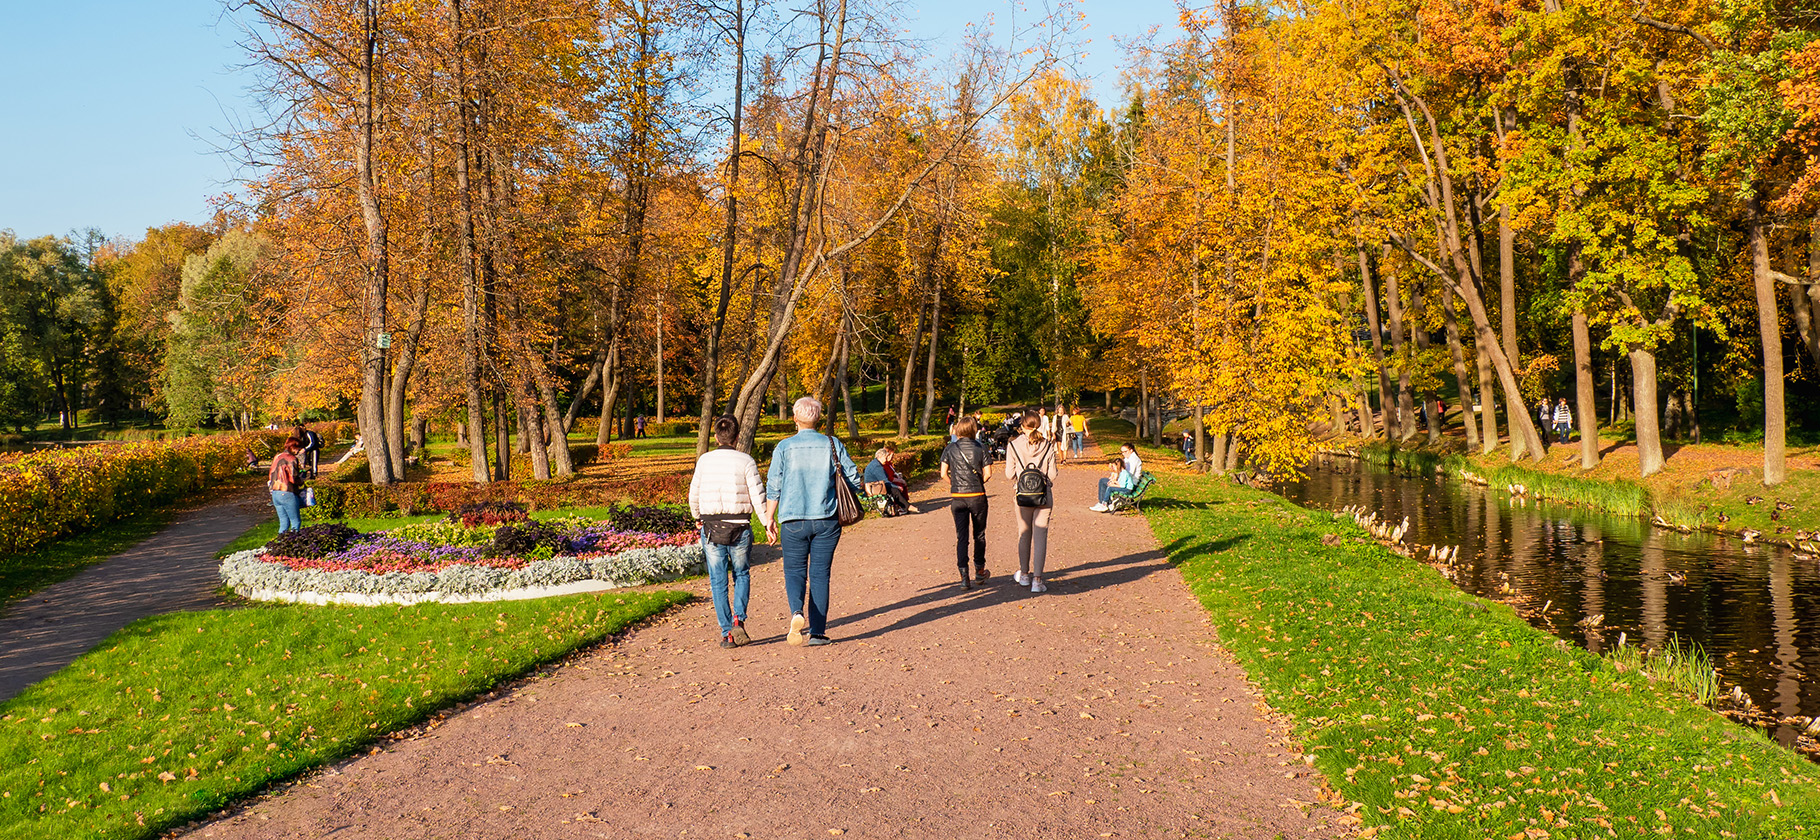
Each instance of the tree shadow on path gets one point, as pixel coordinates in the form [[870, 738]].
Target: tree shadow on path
[[946, 599]]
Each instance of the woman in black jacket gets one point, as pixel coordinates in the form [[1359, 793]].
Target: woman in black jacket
[[965, 464]]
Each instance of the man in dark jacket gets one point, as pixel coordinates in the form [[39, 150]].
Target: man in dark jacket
[[312, 448], [966, 463]]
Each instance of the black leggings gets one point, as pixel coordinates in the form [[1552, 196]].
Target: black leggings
[[969, 508]]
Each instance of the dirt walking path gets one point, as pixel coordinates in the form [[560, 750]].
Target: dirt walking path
[[173, 570], [1102, 708]]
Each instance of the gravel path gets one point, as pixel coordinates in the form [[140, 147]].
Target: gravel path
[[173, 570], [1102, 708]]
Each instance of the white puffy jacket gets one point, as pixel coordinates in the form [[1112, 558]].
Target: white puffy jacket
[[725, 481]]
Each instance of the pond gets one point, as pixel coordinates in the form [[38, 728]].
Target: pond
[[1754, 607]]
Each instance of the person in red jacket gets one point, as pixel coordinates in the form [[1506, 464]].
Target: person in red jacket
[[284, 480]]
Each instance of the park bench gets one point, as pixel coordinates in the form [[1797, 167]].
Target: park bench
[[1131, 498]]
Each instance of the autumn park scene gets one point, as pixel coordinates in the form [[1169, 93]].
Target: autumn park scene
[[474, 418]]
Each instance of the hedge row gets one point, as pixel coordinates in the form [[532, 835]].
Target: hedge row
[[343, 498], [49, 495]]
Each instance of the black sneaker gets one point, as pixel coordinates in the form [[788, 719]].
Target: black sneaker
[[818, 640], [726, 641]]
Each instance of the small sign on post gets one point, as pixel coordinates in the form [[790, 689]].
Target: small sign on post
[[385, 340]]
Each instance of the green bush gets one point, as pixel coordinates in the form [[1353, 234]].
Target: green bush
[[49, 495]]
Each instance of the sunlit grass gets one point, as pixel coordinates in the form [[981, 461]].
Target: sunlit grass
[[178, 715], [1679, 663], [1449, 717]]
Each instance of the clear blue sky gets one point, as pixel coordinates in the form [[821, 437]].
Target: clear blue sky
[[111, 110]]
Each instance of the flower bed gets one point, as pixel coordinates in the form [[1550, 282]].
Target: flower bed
[[453, 563]]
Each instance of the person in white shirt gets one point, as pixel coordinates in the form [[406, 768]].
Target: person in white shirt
[[723, 494]]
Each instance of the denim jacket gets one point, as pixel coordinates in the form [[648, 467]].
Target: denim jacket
[[801, 478]]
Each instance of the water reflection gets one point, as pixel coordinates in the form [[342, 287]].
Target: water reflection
[[1753, 607]]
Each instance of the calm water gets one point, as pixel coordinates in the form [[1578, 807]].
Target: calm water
[[1753, 607]]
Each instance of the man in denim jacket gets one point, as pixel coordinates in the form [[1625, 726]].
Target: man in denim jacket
[[800, 512]]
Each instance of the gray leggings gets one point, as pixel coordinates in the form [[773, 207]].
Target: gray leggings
[[1032, 538]]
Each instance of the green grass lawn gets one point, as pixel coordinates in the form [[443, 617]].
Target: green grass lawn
[[175, 716], [1450, 717]]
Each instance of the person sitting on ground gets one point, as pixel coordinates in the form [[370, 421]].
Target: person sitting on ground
[[882, 479], [1124, 476]]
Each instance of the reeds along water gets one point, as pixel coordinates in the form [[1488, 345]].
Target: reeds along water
[[1754, 609]]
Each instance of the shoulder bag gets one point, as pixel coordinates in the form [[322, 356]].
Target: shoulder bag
[[846, 502]]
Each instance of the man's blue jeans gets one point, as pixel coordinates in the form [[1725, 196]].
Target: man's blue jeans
[[290, 510], [808, 549], [720, 558]]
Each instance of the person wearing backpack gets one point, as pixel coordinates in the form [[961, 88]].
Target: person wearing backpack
[[311, 453], [284, 480], [1030, 462], [965, 464]]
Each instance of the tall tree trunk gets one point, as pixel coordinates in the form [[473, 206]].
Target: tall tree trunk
[[1406, 426], [1649, 438], [903, 397], [401, 380], [471, 295], [1464, 385], [373, 299], [659, 409], [1418, 326], [1368, 279], [1507, 304], [710, 364], [845, 385], [609, 395], [1586, 409], [1769, 331], [1488, 409], [1804, 297], [935, 332]]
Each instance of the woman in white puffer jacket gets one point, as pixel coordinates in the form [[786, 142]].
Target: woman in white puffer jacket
[[723, 494]]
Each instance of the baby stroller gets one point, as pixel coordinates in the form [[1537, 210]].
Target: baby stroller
[[997, 443]]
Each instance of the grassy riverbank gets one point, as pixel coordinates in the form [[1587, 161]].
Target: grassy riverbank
[[1704, 486], [1447, 716], [178, 715]]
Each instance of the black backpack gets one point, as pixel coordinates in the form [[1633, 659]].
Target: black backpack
[[1032, 482]]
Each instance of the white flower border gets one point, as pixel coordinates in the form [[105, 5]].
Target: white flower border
[[252, 577]]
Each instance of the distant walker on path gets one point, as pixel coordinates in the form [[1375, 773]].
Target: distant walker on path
[[800, 511]]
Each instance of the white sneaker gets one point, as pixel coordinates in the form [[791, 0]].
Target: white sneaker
[[1036, 585], [1098, 508], [1021, 578]]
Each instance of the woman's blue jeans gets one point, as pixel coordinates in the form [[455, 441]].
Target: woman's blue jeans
[[290, 510], [1105, 490], [1076, 442], [808, 550], [720, 559]]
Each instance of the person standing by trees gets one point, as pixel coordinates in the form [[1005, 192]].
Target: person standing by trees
[[800, 513], [964, 464], [1077, 442], [1543, 414], [284, 479], [311, 454], [1063, 424], [1030, 451], [1564, 421]]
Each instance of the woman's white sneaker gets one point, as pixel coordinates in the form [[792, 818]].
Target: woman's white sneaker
[[1021, 578], [1098, 508], [1036, 585]]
